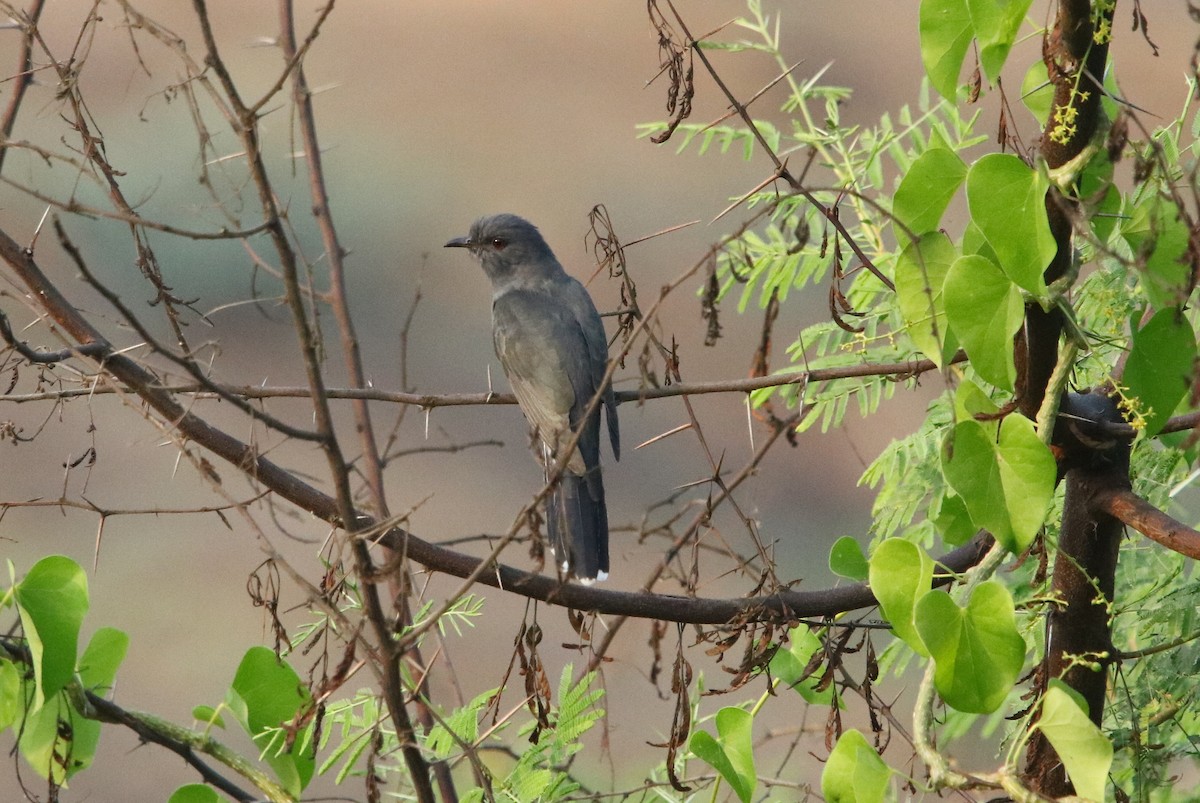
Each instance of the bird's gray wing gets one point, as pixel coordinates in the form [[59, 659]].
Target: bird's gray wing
[[544, 353], [580, 303], [541, 351]]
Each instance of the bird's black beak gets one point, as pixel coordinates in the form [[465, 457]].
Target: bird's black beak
[[459, 242]]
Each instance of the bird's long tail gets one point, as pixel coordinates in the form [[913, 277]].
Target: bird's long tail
[[577, 520]]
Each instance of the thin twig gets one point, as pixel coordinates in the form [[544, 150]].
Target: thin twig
[[911, 368], [22, 77]]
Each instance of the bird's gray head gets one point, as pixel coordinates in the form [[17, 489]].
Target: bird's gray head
[[509, 248]]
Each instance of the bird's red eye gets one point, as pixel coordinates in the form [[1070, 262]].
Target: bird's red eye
[[498, 243]]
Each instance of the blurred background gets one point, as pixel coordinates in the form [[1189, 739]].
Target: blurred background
[[431, 114]]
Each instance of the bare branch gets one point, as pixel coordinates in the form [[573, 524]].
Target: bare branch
[[898, 370], [22, 77], [45, 357], [76, 208], [186, 363]]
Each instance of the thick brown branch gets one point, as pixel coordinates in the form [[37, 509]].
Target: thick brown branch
[[1078, 637], [781, 606], [129, 373], [1079, 645], [1072, 60], [689, 533], [1124, 504]]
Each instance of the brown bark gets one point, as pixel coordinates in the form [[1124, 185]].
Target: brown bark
[[1079, 646], [1075, 63], [1078, 633]]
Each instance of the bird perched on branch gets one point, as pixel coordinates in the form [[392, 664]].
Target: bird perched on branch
[[553, 349]]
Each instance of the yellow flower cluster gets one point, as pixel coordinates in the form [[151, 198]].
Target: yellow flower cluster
[[1102, 22], [1064, 118]]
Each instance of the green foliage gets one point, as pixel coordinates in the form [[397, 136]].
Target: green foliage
[[265, 697], [908, 476], [357, 727], [968, 243], [1156, 700], [1004, 475], [854, 773], [791, 666], [194, 793], [58, 735], [1007, 200], [58, 752], [977, 650], [900, 576], [949, 26], [846, 559], [461, 614], [789, 255], [920, 275], [793, 250], [1085, 751], [953, 521], [984, 310], [11, 701], [353, 724], [725, 137], [52, 601], [540, 772], [55, 731], [926, 190], [731, 751], [207, 715], [1158, 235], [459, 727], [1158, 373]]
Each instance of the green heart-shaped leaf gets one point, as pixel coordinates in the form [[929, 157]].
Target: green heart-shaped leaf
[[920, 271], [1007, 200], [977, 651], [733, 755], [1085, 751], [900, 574], [1005, 477], [854, 772], [985, 310]]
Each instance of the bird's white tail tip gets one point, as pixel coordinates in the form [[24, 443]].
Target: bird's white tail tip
[[587, 581]]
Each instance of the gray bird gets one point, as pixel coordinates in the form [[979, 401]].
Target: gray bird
[[552, 347]]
